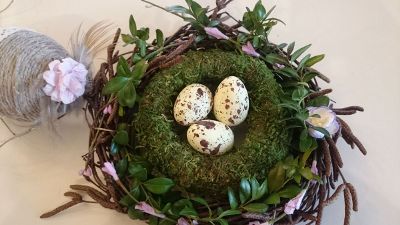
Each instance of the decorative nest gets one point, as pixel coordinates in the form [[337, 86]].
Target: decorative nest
[[129, 112]]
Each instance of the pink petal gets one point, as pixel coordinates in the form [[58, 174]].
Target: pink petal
[[107, 110], [333, 128], [48, 89], [110, 170], [182, 221], [50, 77], [75, 87], [80, 72], [54, 64], [214, 32], [249, 50], [87, 172], [314, 168], [67, 97], [146, 208]]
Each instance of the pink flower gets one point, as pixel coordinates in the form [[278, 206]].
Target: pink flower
[[86, 172], [107, 110], [214, 32], [182, 221], [146, 208], [314, 168], [325, 118], [279, 66], [249, 50], [65, 80], [294, 203], [110, 170]]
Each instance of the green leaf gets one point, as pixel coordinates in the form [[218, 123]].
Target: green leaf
[[322, 130], [290, 191], [115, 84], [188, 211], [303, 61], [166, 222], [260, 11], [121, 137], [159, 185], [140, 69], [254, 188], [288, 72], [143, 33], [223, 221], [132, 26], [305, 141], [313, 60], [299, 93], [263, 189], [127, 39], [275, 58], [122, 166], [232, 199], [178, 9], [256, 207], [126, 201], [273, 199], [290, 48], [135, 214], [309, 76], [306, 173], [123, 68], [307, 153], [230, 212], [142, 47], [302, 115], [160, 38], [138, 171], [202, 201], [214, 23], [270, 11], [299, 52], [245, 190], [127, 95], [319, 101], [276, 178]]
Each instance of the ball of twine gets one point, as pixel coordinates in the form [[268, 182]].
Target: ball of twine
[[25, 56]]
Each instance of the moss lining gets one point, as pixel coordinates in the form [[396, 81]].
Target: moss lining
[[163, 140]]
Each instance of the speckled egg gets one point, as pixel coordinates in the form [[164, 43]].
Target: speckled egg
[[210, 137], [231, 101], [193, 104]]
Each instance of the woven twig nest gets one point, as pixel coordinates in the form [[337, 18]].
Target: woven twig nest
[[131, 126]]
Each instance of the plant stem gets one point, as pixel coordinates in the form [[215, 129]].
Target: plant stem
[[162, 8]]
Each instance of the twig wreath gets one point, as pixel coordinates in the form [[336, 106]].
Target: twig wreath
[[141, 166]]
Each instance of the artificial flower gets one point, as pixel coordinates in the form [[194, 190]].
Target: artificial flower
[[107, 110], [294, 203], [110, 170], [214, 32], [86, 172], [65, 81], [182, 221], [322, 117], [249, 50], [146, 208], [314, 168]]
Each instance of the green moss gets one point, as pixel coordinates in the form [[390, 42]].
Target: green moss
[[164, 141]]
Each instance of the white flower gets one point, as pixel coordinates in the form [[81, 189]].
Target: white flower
[[322, 117]]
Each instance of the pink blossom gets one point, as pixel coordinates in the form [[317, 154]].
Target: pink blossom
[[249, 50], [107, 110], [214, 32], [146, 208], [110, 170], [294, 203], [65, 81], [314, 168], [86, 172], [182, 221], [279, 66]]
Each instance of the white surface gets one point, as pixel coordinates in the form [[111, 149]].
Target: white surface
[[360, 39]]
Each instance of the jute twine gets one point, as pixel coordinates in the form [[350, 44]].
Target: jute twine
[[25, 55]]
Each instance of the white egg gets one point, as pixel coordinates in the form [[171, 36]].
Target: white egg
[[210, 137], [231, 101], [193, 104]]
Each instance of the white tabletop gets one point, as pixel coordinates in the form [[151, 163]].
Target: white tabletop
[[360, 39]]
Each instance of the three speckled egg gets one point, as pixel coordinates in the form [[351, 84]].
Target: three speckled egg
[[231, 106]]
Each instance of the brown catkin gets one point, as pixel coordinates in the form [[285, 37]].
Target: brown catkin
[[335, 152], [335, 195], [327, 157], [347, 207], [354, 198]]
